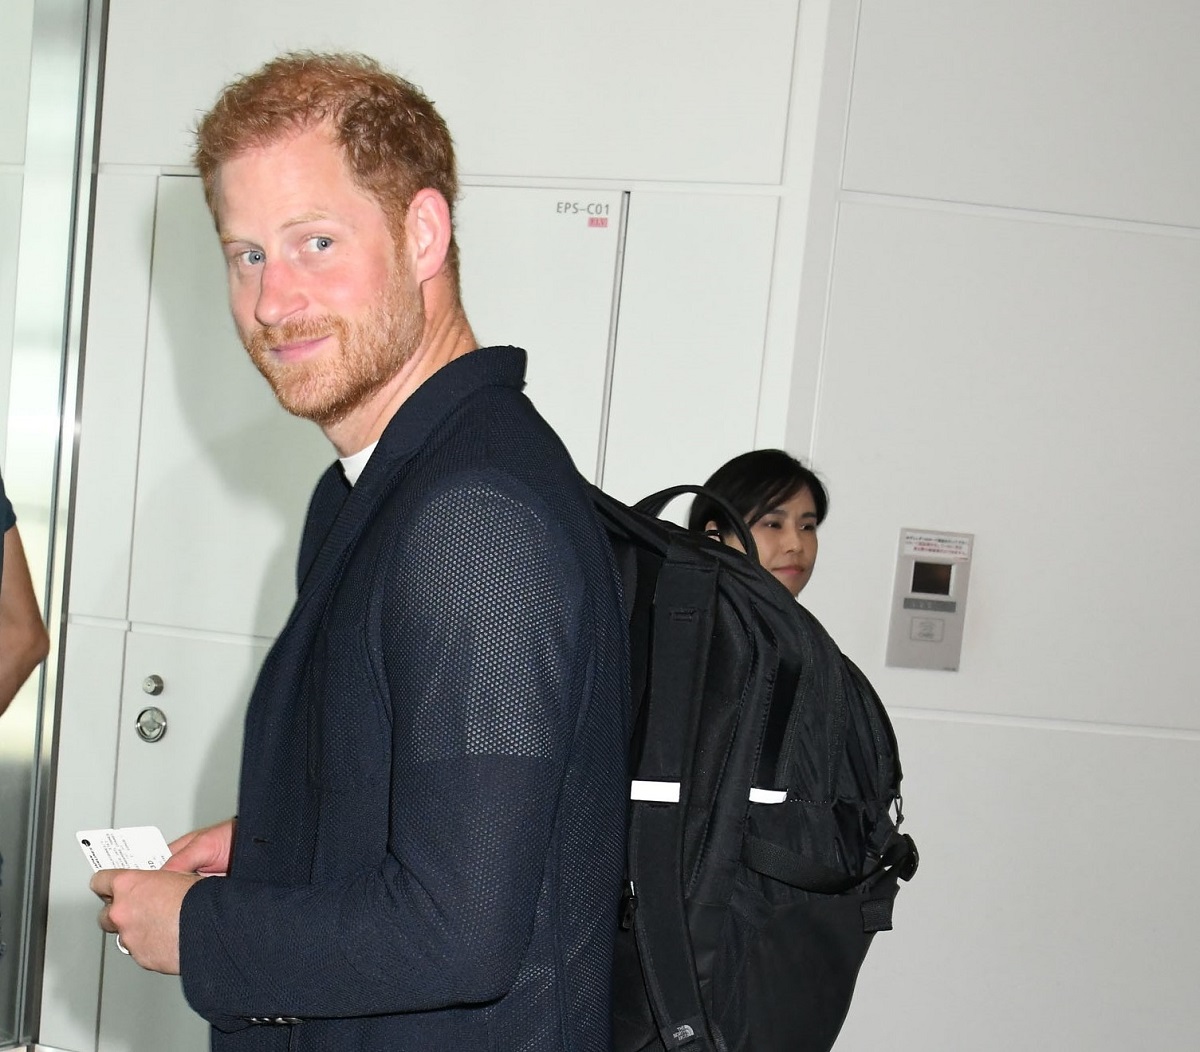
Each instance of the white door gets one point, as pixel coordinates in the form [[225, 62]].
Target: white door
[[185, 779], [539, 269]]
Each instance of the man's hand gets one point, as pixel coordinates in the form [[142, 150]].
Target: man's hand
[[205, 851], [142, 906]]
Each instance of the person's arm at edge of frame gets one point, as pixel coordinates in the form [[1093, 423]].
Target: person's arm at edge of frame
[[24, 641]]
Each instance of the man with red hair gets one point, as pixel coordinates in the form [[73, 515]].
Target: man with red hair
[[428, 848]]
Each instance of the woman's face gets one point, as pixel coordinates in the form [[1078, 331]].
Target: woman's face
[[786, 536]]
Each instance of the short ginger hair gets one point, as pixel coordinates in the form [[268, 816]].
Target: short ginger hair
[[394, 141]]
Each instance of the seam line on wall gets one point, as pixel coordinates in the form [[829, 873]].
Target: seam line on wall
[[1011, 212], [822, 355], [522, 182], [1128, 730]]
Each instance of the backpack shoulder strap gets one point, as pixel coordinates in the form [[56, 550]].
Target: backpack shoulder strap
[[684, 602]]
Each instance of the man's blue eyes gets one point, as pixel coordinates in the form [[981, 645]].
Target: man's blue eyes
[[256, 256]]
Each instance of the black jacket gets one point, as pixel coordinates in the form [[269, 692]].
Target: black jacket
[[432, 799]]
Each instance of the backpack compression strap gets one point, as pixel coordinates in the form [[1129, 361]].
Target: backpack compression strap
[[654, 504], [899, 861], [684, 603]]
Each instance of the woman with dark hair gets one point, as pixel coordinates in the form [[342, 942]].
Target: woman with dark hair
[[781, 501]]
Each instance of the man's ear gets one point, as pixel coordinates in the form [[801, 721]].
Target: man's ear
[[711, 530], [429, 231]]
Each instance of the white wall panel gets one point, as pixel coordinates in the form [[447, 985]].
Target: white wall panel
[[224, 474], [528, 88], [539, 271], [1034, 384], [16, 47], [690, 338], [1043, 915], [83, 799], [188, 778], [185, 780], [110, 419], [10, 230], [1066, 106]]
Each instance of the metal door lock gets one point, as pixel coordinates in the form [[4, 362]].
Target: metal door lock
[[153, 685], [151, 724]]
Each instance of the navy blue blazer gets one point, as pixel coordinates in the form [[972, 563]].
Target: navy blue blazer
[[431, 808]]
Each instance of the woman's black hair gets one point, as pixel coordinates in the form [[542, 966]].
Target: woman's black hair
[[754, 483]]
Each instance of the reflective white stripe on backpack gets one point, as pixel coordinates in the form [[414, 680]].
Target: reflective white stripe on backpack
[[767, 796], [668, 793], [655, 792]]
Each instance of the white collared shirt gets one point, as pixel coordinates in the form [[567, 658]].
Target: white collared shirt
[[353, 465]]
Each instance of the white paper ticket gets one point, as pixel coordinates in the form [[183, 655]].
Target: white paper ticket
[[135, 847]]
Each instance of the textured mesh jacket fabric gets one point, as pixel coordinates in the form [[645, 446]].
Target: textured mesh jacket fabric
[[432, 800]]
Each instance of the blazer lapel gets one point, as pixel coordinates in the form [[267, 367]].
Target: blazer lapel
[[404, 435]]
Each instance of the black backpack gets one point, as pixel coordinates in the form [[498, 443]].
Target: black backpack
[[762, 855]]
